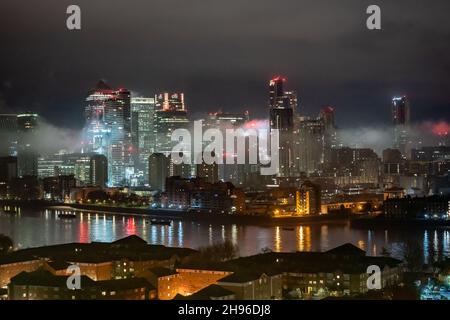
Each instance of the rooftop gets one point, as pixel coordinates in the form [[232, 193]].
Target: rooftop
[[242, 276], [132, 240], [343, 259], [346, 249], [162, 272], [208, 293], [124, 284], [45, 278], [132, 248]]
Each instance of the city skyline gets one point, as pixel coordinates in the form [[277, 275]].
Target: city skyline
[[434, 125], [375, 136], [224, 150]]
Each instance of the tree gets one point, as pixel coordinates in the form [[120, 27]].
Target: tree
[[412, 254], [6, 244], [218, 252]]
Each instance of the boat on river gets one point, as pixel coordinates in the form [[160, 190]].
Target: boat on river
[[67, 215]]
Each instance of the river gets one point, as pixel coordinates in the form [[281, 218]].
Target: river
[[43, 227]]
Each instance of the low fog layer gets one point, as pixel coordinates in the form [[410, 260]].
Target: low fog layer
[[381, 137], [51, 139]]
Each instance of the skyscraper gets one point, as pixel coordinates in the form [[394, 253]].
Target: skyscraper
[[158, 168], [99, 170], [96, 128], [282, 105], [230, 172], [171, 114], [27, 155], [118, 117], [400, 120], [8, 169], [330, 139], [143, 134], [8, 135], [309, 138], [108, 129]]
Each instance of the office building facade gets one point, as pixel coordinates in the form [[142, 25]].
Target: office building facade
[[27, 154], [108, 130]]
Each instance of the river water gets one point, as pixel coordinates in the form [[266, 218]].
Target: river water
[[38, 228]]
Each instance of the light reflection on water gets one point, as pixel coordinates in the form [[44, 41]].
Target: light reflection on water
[[45, 228]]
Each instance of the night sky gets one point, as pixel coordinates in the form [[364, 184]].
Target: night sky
[[222, 54]]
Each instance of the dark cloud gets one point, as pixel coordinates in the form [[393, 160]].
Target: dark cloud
[[221, 53]]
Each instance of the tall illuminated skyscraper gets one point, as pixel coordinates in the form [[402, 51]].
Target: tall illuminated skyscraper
[[108, 130], [142, 134], [170, 114], [282, 105], [400, 120], [96, 129], [27, 154]]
